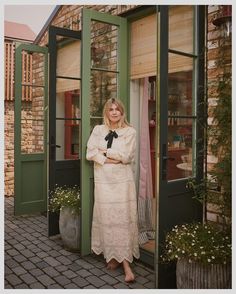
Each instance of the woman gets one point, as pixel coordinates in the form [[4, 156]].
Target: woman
[[114, 227]]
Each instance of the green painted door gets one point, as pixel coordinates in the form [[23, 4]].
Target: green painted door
[[104, 75], [180, 88], [30, 131]]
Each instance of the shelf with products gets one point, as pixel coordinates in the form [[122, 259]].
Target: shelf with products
[[152, 126], [72, 124], [179, 122]]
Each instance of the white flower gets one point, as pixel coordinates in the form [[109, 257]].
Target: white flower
[[209, 260], [195, 254]]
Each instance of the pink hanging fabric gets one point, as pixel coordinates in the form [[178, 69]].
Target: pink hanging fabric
[[145, 180], [145, 219]]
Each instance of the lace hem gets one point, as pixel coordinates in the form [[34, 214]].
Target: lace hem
[[129, 257]]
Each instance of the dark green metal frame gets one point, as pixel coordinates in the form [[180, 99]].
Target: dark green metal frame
[[53, 218]]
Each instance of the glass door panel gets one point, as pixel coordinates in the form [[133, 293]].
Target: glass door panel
[[180, 71], [64, 112], [104, 38], [104, 74], [104, 67], [68, 91], [68, 57], [181, 28], [33, 102], [181, 117], [68, 120]]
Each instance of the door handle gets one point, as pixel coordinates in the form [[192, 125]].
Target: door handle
[[164, 161], [168, 158], [55, 146]]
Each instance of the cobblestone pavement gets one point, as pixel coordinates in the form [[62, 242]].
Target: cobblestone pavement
[[34, 261]]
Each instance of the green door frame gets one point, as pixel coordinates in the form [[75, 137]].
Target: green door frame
[[29, 167], [86, 170]]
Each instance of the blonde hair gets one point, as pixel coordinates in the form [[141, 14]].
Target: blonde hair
[[122, 122]]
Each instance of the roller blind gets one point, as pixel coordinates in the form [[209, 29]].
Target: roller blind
[[68, 65], [143, 47], [144, 41]]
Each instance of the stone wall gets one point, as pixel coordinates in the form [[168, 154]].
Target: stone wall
[[9, 141], [9, 148]]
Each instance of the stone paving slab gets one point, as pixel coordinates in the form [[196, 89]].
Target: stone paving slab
[[34, 261]]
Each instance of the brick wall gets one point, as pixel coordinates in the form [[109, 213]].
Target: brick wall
[[215, 44], [9, 148], [31, 124], [69, 16]]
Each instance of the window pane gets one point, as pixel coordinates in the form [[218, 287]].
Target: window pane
[[180, 85], [103, 87], [95, 121], [181, 21], [32, 68], [180, 152], [143, 47], [68, 101], [68, 57], [32, 122], [104, 39], [67, 140], [68, 117]]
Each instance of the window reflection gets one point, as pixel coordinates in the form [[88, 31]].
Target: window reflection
[[68, 124], [179, 149], [181, 119]]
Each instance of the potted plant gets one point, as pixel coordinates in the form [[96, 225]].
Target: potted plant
[[66, 201], [202, 253]]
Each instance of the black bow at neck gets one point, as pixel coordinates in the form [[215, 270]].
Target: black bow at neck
[[109, 137]]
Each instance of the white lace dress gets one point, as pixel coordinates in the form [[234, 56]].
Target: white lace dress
[[114, 225]]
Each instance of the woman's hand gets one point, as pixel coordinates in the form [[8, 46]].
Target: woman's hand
[[109, 160]]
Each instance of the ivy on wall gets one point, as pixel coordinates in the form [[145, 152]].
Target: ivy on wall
[[220, 132]]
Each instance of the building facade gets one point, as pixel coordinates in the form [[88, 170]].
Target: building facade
[[162, 62]]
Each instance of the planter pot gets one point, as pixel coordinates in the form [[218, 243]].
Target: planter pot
[[69, 226], [199, 276]]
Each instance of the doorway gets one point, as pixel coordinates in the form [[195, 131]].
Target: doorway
[[165, 78]]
